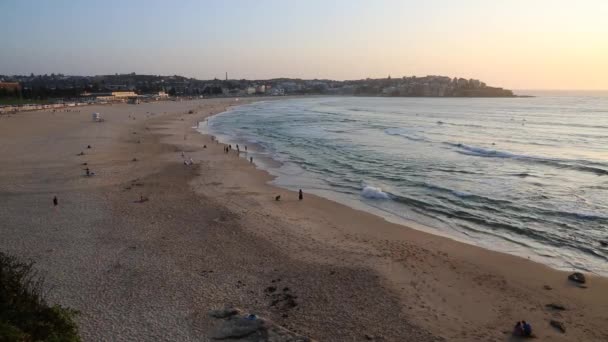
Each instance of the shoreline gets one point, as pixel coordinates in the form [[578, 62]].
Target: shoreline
[[213, 235], [499, 264], [271, 166]]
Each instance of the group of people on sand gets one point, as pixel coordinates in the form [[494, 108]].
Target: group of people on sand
[[228, 148], [523, 329], [187, 160], [87, 173]]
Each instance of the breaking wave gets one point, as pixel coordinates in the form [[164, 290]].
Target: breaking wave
[[579, 165], [407, 134], [374, 193]]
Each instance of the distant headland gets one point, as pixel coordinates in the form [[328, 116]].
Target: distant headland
[[28, 88]]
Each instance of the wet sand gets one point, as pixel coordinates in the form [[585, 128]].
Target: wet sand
[[211, 235]]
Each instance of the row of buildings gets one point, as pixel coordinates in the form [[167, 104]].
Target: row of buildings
[[130, 86]]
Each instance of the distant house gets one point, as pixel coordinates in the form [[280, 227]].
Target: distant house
[[10, 88], [109, 96], [261, 89]]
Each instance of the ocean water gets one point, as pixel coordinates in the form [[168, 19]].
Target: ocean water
[[526, 176]]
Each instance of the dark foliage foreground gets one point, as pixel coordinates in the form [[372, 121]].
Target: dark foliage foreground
[[24, 314]]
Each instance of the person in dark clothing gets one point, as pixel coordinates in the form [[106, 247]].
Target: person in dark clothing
[[55, 201], [518, 330], [300, 195], [527, 328]]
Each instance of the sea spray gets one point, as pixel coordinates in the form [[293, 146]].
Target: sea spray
[[374, 193]]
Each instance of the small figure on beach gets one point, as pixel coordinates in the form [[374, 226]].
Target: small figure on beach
[[87, 172], [527, 328], [300, 195], [523, 329], [245, 148], [251, 160], [80, 154], [204, 146], [518, 330], [277, 198], [89, 146], [55, 201]]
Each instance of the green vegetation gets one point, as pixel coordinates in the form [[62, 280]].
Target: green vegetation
[[24, 314], [18, 101]]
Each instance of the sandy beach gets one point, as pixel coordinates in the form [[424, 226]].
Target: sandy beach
[[211, 235]]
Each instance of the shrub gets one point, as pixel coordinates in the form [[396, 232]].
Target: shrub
[[24, 313]]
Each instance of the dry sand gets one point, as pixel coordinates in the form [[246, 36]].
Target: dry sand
[[212, 235]]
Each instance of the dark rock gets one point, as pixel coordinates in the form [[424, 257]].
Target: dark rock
[[224, 313], [577, 277], [556, 306], [248, 327], [547, 287], [558, 325], [238, 328]]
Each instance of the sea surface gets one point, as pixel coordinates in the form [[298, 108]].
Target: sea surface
[[526, 176]]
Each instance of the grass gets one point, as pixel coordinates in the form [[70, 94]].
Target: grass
[[24, 314], [15, 101]]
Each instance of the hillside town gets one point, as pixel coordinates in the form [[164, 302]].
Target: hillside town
[[45, 90]]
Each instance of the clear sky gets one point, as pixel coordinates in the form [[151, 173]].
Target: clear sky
[[531, 44]]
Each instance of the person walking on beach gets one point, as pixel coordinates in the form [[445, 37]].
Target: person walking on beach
[[55, 201], [300, 195], [250, 160]]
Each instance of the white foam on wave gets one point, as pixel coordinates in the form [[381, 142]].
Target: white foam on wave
[[374, 193], [461, 193], [483, 152], [402, 132]]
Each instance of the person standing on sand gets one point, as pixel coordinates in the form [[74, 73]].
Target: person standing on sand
[[55, 201], [300, 195], [250, 160]]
